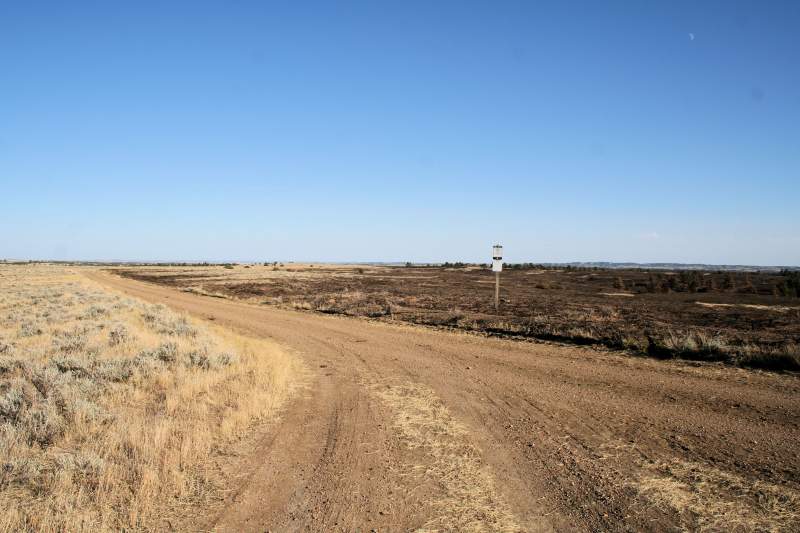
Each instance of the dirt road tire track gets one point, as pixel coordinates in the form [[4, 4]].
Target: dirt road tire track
[[568, 432]]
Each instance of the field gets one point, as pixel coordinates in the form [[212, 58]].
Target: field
[[744, 318], [114, 413]]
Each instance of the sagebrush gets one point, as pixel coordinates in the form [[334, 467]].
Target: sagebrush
[[111, 409]]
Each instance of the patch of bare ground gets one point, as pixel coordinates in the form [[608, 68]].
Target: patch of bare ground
[[114, 413]]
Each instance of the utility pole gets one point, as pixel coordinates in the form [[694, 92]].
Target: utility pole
[[497, 267]]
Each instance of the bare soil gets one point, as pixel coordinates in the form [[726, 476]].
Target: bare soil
[[402, 427]]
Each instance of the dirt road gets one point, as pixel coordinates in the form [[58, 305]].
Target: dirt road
[[402, 428]]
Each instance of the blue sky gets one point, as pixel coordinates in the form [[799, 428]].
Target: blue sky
[[423, 131]]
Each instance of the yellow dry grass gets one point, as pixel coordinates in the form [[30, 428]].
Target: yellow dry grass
[[470, 502], [708, 499], [776, 308], [207, 276], [113, 411]]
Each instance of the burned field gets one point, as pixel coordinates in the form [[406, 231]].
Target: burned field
[[744, 318]]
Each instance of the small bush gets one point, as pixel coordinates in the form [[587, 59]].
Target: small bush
[[150, 317], [201, 359], [43, 423], [9, 365], [29, 329], [70, 342], [145, 364], [23, 472], [692, 345], [47, 380], [180, 327], [225, 359], [164, 323], [6, 348], [85, 465], [154, 313], [115, 370], [711, 345], [118, 335], [95, 311], [12, 402], [454, 316], [70, 364], [166, 352], [14, 317]]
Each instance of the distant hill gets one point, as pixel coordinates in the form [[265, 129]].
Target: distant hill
[[675, 266]]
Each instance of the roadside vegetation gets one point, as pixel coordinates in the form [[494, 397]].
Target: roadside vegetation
[[113, 412]]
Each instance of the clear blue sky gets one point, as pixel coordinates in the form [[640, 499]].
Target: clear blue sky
[[401, 131]]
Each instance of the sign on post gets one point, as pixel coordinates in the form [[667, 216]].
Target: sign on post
[[497, 267], [497, 258]]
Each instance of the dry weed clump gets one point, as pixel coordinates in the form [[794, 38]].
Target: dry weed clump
[[783, 357], [111, 410], [702, 346]]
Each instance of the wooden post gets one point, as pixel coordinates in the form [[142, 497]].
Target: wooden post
[[497, 291]]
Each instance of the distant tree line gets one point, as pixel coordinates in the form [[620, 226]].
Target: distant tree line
[[791, 283]]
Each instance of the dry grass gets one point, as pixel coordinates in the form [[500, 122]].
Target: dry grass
[[112, 411], [702, 346], [471, 502], [708, 499], [776, 308]]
